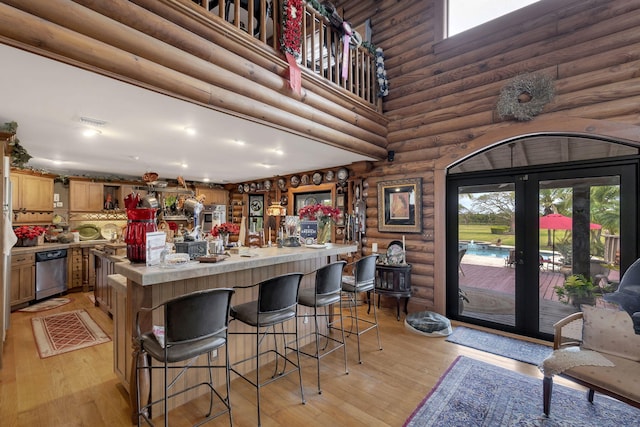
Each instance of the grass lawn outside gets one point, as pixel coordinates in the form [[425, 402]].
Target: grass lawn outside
[[482, 233]]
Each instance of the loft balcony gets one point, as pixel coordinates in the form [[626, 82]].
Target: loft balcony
[[321, 48], [201, 52]]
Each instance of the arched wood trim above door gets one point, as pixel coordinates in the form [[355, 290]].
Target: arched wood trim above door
[[557, 125]]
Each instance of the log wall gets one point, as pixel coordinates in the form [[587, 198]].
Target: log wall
[[443, 94]]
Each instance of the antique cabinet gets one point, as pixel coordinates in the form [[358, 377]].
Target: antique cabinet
[[85, 196], [394, 281], [23, 273]]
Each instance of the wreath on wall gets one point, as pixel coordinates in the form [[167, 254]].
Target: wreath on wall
[[525, 96]]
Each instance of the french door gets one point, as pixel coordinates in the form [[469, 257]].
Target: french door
[[514, 236]]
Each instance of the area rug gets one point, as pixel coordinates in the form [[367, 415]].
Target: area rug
[[46, 305], [475, 393], [65, 332], [522, 351]]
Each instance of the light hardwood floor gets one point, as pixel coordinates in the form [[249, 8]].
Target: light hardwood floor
[[80, 388]]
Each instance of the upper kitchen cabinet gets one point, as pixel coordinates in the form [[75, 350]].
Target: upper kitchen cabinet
[[213, 196], [85, 196], [31, 194]]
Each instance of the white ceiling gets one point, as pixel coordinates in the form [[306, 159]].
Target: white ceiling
[[143, 131]]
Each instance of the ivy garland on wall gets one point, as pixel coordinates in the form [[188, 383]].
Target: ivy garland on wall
[[525, 96]]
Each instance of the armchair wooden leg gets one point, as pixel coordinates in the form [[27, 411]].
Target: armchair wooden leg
[[590, 394], [547, 388]]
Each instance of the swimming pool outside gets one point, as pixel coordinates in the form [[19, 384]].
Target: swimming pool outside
[[502, 252]]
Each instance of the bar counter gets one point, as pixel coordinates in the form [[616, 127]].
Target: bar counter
[[150, 286]]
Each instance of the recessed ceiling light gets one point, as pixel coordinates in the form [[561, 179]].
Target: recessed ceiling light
[[189, 130], [238, 142], [92, 122], [184, 165], [134, 157], [278, 151], [205, 180], [266, 165], [90, 132]]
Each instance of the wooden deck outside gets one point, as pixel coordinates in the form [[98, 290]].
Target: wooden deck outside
[[492, 285], [502, 279]]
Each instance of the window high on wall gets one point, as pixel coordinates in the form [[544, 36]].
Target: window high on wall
[[465, 14]]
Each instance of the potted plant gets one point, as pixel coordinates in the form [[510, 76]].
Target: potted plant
[[223, 230], [576, 290], [325, 217]]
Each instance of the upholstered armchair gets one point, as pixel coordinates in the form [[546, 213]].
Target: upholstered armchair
[[598, 349]]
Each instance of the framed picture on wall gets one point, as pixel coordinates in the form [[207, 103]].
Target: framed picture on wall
[[400, 205]]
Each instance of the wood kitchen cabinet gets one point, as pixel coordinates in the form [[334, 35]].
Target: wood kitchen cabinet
[[74, 277], [121, 345], [31, 198], [104, 267], [85, 196], [213, 196], [23, 274], [31, 192]]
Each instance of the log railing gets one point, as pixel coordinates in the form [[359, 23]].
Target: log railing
[[321, 48]]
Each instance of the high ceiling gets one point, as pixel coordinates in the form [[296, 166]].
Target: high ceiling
[[140, 130]]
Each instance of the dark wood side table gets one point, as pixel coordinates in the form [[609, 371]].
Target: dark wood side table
[[394, 281]]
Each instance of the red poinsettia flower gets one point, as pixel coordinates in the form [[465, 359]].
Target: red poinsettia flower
[[319, 212], [27, 232], [225, 228]]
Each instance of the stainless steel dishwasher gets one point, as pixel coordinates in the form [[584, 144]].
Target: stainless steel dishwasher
[[51, 273]]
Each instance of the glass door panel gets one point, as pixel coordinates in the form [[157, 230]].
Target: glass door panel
[[486, 253], [579, 236]]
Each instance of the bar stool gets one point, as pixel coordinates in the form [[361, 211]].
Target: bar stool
[[276, 304], [194, 324], [363, 280], [325, 294]]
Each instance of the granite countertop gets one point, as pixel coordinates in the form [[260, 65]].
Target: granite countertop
[[53, 246], [260, 257]]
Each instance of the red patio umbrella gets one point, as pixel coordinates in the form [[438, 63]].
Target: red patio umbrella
[[560, 222]]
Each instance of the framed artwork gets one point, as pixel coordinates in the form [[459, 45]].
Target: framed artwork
[[400, 205]]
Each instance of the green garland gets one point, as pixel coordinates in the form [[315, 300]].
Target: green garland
[[19, 155], [319, 7]]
